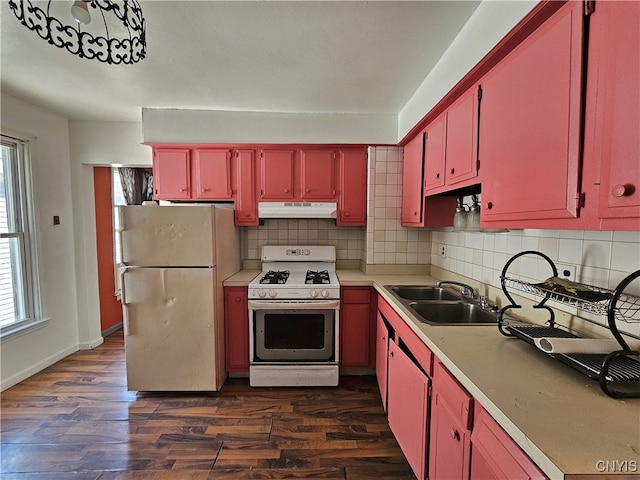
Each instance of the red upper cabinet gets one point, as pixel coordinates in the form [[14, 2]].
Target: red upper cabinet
[[352, 201], [318, 175], [211, 174], [530, 123], [172, 173], [617, 113], [451, 146], [276, 169], [462, 139], [434, 157], [412, 174], [244, 187]]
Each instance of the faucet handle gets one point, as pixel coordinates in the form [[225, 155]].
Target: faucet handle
[[484, 301]]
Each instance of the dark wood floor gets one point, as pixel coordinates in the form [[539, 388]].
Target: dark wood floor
[[76, 421]]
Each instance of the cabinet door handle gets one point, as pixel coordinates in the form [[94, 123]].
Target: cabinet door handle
[[307, 190], [489, 205], [623, 190], [183, 189], [437, 175], [455, 434], [346, 214], [238, 299], [205, 190], [453, 170], [391, 353], [286, 190]]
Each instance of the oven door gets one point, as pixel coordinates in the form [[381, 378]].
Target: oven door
[[294, 332]]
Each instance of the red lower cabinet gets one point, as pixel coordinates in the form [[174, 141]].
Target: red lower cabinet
[[382, 357], [494, 455], [236, 322], [451, 416], [408, 408]]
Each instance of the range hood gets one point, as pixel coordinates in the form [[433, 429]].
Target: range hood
[[297, 210]]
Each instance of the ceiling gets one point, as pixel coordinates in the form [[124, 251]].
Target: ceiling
[[296, 56]]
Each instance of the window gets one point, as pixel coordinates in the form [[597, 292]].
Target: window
[[118, 199], [18, 287]]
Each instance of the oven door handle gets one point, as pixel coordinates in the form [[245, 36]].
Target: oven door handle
[[294, 304]]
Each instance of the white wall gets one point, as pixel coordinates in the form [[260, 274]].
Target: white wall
[[491, 21], [96, 144], [26, 353]]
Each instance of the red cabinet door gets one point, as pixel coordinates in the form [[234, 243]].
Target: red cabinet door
[[318, 175], [212, 175], [412, 211], [408, 408], [435, 153], [276, 174], [462, 139], [355, 327], [618, 110], [236, 318], [352, 201], [530, 122], [172, 173], [382, 357], [495, 455], [450, 443], [243, 174]]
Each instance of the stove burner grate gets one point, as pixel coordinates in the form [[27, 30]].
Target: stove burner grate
[[321, 277], [275, 277]]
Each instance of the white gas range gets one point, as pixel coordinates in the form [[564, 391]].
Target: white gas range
[[294, 306]]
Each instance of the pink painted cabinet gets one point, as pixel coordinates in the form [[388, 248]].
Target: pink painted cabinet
[[530, 121], [382, 357], [172, 173], [408, 407], [357, 311], [615, 28], [352, 199], [211, 174], [451, 419], [275, 174], [412, 210], [494, 455], [236, 322], [318, 175], [244, 187]]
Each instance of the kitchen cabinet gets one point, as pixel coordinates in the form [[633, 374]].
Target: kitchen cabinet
[[171, 174], [451, 147], [352, 201], [244, 187], [211, 174], [495, 455], [236, 321], [616, 149], [276, 174], [418, 210], [408, 407], [404, 381], [318, 175], [382, 357], [356, 323], [411, 213], [530, 135], [451, 419]]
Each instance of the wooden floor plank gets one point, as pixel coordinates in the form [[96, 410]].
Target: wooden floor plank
[[76, 421]]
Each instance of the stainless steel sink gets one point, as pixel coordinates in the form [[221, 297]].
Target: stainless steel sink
[[423, 292], [453, 313]]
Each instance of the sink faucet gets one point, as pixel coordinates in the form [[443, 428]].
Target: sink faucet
[[465, 289]]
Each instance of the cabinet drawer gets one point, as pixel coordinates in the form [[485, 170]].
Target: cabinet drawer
[[459, 401], [356, 295]]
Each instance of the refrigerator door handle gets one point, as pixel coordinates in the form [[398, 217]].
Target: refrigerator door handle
[[123, 299]]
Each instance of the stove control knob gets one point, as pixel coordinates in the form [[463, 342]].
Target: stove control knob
[[262, 293], [313, 293], [325, 293], [272, 293]]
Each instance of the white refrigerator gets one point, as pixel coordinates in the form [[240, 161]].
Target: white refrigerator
[[175, 259]]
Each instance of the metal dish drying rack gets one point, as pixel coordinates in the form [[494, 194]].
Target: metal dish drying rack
[[618, 372]]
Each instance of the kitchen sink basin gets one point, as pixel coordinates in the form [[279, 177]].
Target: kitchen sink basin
[[423, 292], [453, 313]]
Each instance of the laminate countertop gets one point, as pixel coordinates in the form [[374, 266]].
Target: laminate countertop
[[560, 418]]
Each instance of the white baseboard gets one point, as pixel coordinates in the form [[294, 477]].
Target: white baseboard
[[41, 365], [91, 344]]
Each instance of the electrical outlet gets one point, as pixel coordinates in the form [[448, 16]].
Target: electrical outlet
[[443, 252], [566, 271]]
